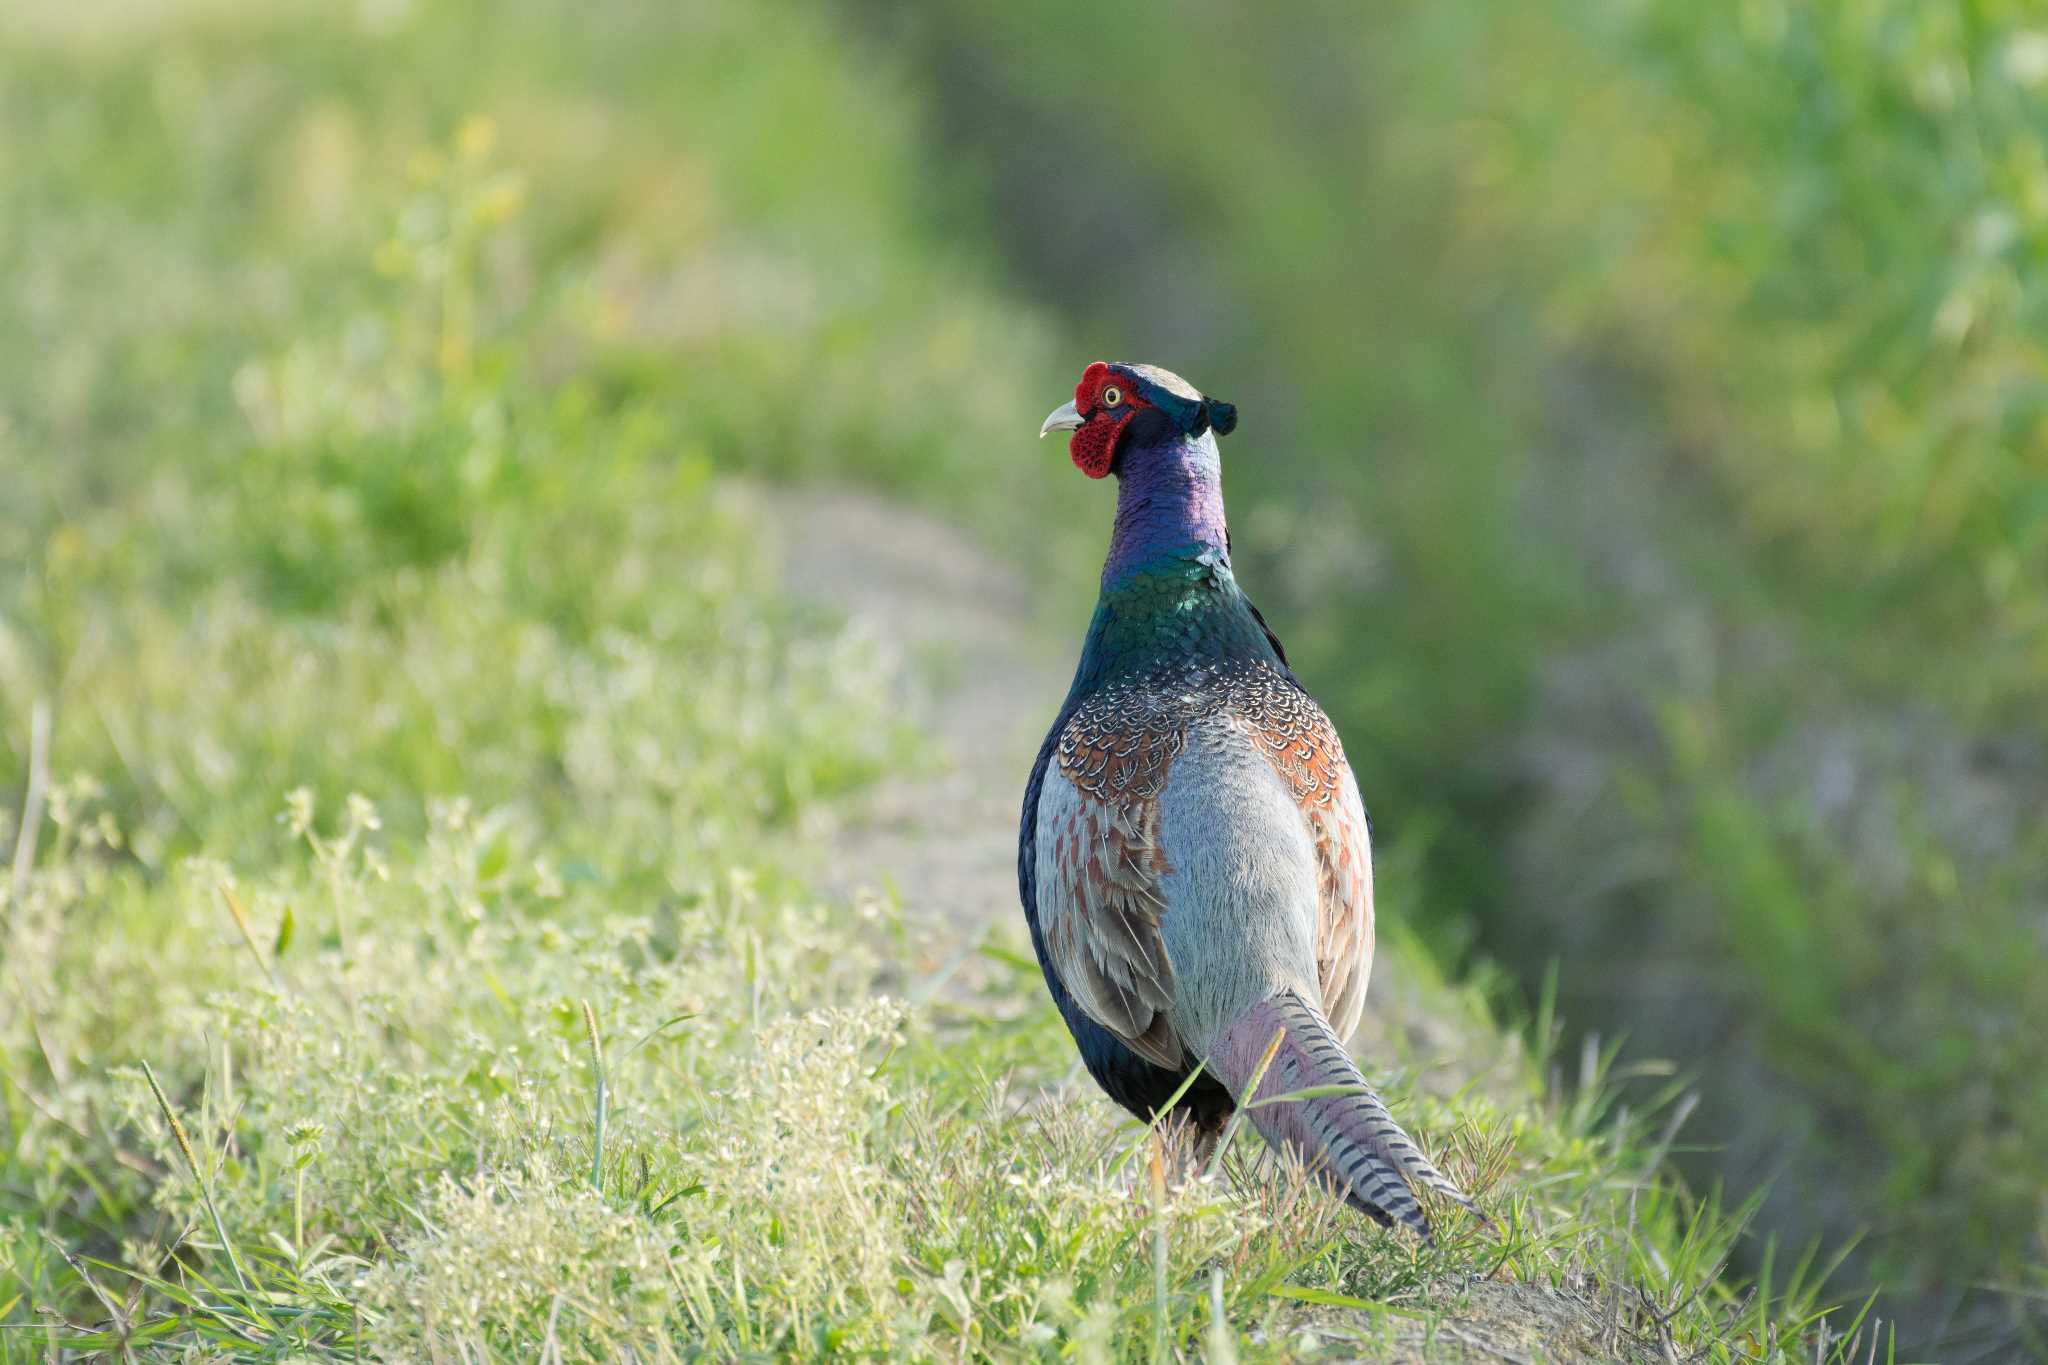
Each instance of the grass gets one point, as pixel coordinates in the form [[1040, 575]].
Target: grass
[[796, 1166], [404, 962]]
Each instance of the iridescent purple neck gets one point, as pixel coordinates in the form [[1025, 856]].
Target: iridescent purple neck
[[1169, 505]]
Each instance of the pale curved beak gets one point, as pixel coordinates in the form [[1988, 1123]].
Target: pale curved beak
[[1065, 417]]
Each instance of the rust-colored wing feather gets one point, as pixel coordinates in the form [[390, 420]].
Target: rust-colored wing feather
[[1298, 739], [1100, 865]]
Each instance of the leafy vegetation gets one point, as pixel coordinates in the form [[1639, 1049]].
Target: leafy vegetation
[[408, 960]]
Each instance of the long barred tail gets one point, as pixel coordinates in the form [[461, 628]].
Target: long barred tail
[[1359, 1147]]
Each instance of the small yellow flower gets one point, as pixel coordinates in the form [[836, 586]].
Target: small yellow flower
[[501, 200], [452, 352], [477, 135]]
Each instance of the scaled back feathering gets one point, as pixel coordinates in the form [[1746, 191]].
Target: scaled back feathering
[[1194, 859]]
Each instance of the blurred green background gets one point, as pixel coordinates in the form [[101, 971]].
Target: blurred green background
[[1644, 455]]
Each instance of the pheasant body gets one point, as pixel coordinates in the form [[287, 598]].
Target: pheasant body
[[1194, 859]]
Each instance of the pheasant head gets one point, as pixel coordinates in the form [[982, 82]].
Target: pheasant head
[[1118, 407]]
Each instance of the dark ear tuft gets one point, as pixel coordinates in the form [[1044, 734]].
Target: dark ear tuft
[[1222, 415]]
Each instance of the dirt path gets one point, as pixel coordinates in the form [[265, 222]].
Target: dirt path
[[943, 838]]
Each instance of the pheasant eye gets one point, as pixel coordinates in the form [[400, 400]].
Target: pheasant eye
[[1112, 396]]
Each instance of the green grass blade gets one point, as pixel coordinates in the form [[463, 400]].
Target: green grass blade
[[192, 1163]]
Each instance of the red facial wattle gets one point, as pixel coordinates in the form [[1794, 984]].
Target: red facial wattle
[[1093, 444]]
